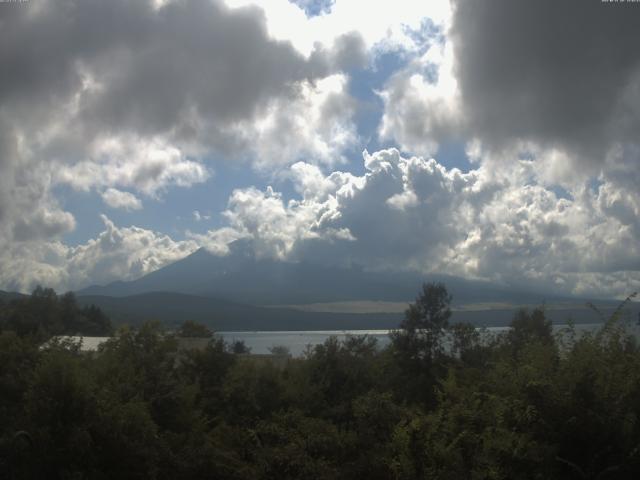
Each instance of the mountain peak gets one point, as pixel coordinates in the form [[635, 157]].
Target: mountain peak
[[201, 252], [242, 247]]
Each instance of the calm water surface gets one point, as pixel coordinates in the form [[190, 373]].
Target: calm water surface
[[297, 341]]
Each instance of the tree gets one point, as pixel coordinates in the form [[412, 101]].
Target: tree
[[189, 328], [280, 350], [417, 345], [239, 347], [425, 322], [466, 344], [44, 314], [96, 322], [528, 327], [430, 313]]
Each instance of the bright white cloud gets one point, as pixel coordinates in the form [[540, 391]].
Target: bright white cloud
[[118, 199], [422, 105], [403, 213], [412, 213], [135, 109], [97, 103], [385, 25], [117, 253], [315, 124], [146, 166]]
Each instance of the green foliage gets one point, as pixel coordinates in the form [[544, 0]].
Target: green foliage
[[280, 350], [192, 329], [238, 347], [440, 402], [44, 314], [417, 346], [528, 327]]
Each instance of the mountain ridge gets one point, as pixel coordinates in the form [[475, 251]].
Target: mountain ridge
[[241, 292], [242, 278]]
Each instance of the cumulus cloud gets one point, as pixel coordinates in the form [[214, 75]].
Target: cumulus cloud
[[118, 199], [147, 166], [422, 106], [407, 213], [191, 72], [27, 210], [314, 124], [415, 214], [132, 98], [555, 82], [131, 66], [123, 252], [116, 253]]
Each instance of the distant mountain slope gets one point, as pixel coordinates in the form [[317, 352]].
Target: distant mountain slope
[[241, 278], [221, 315]]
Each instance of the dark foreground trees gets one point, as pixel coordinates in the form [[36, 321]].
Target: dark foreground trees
[[417, 346], [44, 313], [441, 402]]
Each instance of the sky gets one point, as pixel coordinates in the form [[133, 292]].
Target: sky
[[495, 140]]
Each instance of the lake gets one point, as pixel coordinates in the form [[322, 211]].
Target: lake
[[297, 341]]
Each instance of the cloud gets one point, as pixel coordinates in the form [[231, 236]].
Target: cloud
[[198, 217], [415, 214], [128, 66], [137, 97], [94, 87], [130, 99], [27, 210], [192, 74], [402, 213], [146, 166], [117, 253], [264, 217], [215, 241], [314, 124], [43, 223], [564, 75], [422, 106], [556, 83], [389, 26], [123, 252], [124, 200]]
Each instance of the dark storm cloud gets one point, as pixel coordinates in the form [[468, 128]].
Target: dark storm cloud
[[156, 69], [562, 73], [7, 152], [349, 51], [78, 73]]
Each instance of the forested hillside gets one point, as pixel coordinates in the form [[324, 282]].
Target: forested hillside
[[522, 405]]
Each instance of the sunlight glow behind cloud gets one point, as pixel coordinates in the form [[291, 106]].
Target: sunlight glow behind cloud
[[102, 114]]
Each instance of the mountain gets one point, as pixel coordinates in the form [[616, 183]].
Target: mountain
[[221, 315], [241, 292], [240, 277]]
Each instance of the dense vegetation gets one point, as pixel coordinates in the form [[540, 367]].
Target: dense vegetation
[[442, 401], [43, 314]]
